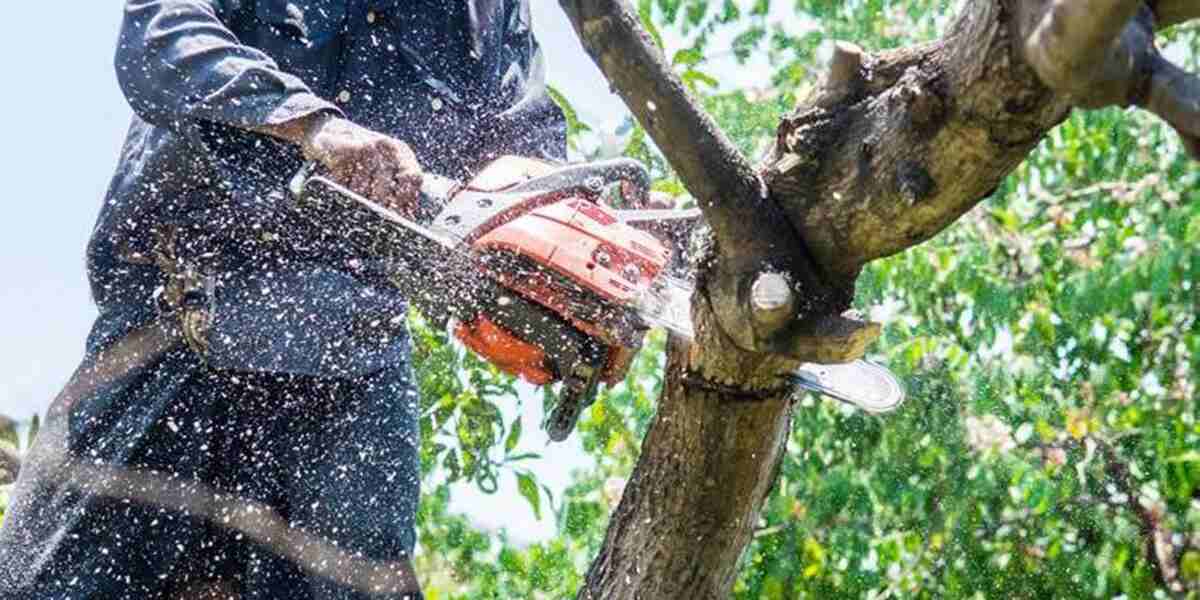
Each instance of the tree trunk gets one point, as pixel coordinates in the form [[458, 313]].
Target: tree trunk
[[690, 507], [889, 150]]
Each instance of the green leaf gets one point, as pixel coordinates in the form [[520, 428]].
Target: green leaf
[[514, 436], [646, 12], [747, 41], [695, 13], [1189, 456], [692, 77], [528, 487], [522, 456], [450, 463], [1189, 567], [574, 125], [688, 57], [730, 12]]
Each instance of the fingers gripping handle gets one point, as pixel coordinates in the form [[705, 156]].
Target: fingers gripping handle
[[435, 191]]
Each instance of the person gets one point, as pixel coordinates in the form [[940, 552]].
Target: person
[[244, 420]]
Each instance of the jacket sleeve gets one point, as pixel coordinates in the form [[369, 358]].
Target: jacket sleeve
[[177, 61]]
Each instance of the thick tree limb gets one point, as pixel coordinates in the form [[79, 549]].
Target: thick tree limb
[[692, 502], [1101, 53], [884, 156], [1175, 97], [1072, 38], [1174, 12]]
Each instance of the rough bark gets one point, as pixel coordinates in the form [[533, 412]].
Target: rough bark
[[891, 149], [707, 459], [1174, 12]]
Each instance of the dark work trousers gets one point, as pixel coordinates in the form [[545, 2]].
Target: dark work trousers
[[165, 476]]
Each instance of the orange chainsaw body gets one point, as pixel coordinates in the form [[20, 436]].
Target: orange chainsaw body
[[572, 239]]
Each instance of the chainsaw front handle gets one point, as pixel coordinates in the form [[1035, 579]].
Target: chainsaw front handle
[[435, 191], [592, 178]]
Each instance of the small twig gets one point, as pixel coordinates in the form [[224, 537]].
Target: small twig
[[1156, 535], [1160, 552]]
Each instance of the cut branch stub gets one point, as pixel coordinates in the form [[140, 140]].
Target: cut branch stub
[[845, 77], [780, 306], [772, 300], [817, 338]]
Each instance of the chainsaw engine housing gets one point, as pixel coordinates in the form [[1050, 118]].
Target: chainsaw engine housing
[[557, 246]]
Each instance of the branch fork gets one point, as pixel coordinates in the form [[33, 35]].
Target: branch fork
[[745, 223], [1101, 53]]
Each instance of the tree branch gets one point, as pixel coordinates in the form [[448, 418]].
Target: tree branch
[[1174, 12], [753, 236], [1175, 97], [890, 149], [1072, 37], [1101, 53], [709, 165], [1156, 534], [895, 146]]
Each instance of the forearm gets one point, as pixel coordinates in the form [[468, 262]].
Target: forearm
[[299, 132], [177, 61]]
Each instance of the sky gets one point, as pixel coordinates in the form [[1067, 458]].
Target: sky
[[64, 120]]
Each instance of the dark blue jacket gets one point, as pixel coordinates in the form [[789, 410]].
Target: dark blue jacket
[[460, 81]]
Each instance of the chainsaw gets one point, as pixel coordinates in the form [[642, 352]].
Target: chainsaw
[[533, 269]]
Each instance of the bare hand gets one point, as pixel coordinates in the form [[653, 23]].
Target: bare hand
[[377, 166]]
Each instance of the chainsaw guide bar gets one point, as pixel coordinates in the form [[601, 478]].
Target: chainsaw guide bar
[[544, 281]]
